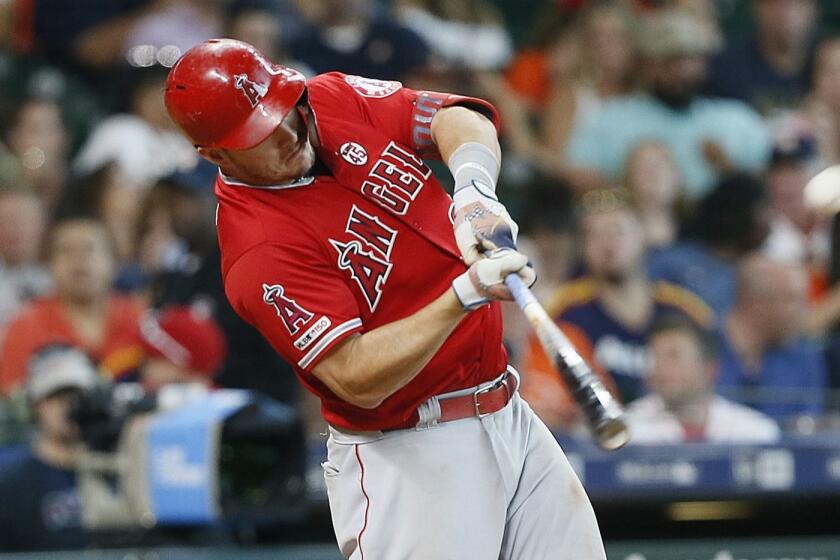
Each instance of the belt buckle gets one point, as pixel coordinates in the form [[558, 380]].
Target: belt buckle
[[479, 392]]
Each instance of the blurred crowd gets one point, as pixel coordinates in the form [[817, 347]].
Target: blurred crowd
[[658, 155]]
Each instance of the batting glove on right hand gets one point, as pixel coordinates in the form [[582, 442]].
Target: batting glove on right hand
[[485, 280]]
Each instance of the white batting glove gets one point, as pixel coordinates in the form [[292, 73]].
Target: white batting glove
[[485, 280], [482, 223]]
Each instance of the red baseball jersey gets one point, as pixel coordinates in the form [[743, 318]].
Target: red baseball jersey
[[313, 262]]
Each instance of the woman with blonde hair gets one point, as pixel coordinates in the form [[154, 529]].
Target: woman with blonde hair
[[653, 178]]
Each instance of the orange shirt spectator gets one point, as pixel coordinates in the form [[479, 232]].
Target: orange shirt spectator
[[44, 323], [543, 387], [529, 76], [83, 310]]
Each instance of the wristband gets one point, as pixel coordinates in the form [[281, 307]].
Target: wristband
[[467, 294], [473, 161]]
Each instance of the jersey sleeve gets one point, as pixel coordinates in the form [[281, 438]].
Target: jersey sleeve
[[402, 113], [295, 299]]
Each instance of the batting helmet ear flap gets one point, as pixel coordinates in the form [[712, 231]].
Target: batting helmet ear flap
[[302, 106], [304, 109]]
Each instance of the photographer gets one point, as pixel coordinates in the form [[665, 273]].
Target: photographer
[[39, 500]]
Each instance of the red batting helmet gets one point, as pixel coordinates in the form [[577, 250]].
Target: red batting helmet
[[226, 94]]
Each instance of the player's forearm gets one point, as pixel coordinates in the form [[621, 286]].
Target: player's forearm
[[453, 127], [368, 368]]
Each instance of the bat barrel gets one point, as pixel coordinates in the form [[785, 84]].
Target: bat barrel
[[603, 414]]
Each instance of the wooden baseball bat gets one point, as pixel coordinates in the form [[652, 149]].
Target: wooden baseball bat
[[602, 412]]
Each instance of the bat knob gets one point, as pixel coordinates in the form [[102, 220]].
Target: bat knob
[[612, 434]]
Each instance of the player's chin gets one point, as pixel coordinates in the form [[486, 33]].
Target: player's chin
[[302, 161]]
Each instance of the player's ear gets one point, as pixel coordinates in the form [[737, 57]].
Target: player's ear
[[213, 155]]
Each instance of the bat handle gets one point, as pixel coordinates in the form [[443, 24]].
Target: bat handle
[[520, 292]]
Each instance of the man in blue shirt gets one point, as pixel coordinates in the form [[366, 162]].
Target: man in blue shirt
[[770, 68], [764, 359], [706, 136], [729, 223], [355, 38], [612, 308], [40, 505]]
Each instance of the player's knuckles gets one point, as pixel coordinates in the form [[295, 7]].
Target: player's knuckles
[[512, 261], [500, 237], [498, 291], [528, 276]]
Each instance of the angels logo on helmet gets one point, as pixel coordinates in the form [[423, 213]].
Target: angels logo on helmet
[[253, 91]]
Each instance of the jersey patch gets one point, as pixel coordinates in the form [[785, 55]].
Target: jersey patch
[[367, 256], [425, 109], [377, 89], [252, 90], [293, 315], [311, 335], [353, 153]]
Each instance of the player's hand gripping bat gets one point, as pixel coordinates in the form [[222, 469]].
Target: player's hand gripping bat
[[603, 414]]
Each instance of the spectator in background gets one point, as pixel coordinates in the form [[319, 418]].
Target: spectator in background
[[180, 254], [548, 237], [350, 36], [764, 360], [82, 312], [40, 506], [547, 218], [257, 22], [575, 65], [608, 51], [706, 136], [652, 177], [22, 275], [614, 306], [173, 227], [142, 143], [729, 223], [37, 136], [468, 34], [798, 234], [168, 28], [769, 69], [183, 345], [682, 406], [822, 106], [85, 38], [103, 195]]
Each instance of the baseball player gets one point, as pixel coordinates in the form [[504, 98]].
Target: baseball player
[[337, 244]]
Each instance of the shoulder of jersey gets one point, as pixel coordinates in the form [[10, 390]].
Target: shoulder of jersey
[[326, 80], [676, 296], [576, 292]]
